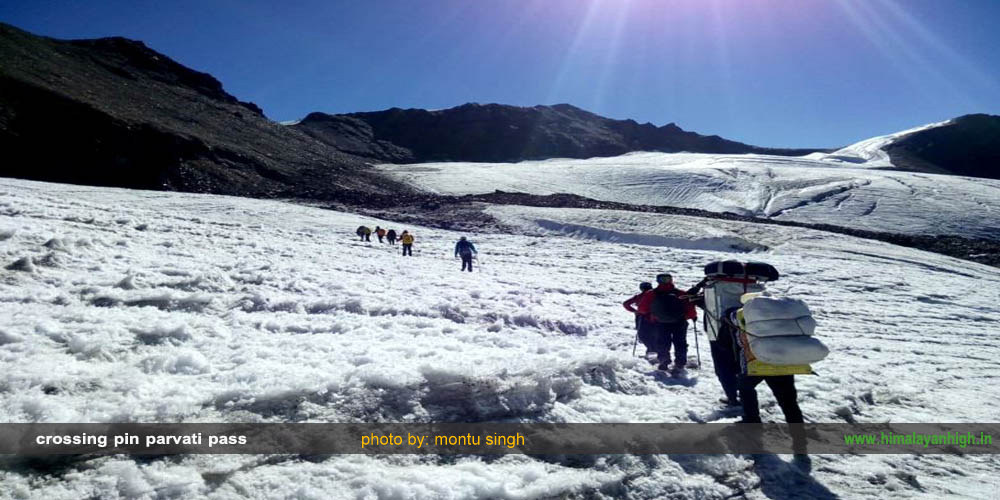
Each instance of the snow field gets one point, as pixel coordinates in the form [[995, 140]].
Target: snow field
[[805, 189], [136, 306]]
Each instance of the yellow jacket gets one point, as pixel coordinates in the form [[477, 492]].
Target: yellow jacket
[[406, 239]]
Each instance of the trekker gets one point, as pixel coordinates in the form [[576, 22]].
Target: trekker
[[364, 232], [724, 358], [465, 249], [391, 236], [380, 233], [782, 386], [641, 325], [407, 240], [669, 310]]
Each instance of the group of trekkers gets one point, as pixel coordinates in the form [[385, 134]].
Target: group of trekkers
[[464, 248], [405, 238], [661, 316]]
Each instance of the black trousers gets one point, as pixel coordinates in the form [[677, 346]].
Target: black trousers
[[408, 249], [726, 367], [466, 261], [647, 333], [783, 388], [392, 241], [380, 239], [668, 334]]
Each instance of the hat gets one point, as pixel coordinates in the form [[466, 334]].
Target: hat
[[664, 278]]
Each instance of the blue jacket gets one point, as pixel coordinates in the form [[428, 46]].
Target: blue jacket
[[464, 246]]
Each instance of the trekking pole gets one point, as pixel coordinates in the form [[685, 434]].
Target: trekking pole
[[635, 343], [697, 349]]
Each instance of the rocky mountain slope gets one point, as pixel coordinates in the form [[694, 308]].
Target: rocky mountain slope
[[113, 112], [968, 145], [498, 133]]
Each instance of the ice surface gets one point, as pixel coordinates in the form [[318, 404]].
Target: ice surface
[[807, 189], [164, 307]]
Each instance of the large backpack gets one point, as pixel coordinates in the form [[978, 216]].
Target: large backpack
[[775, 336], [667, 307], [725, 283]]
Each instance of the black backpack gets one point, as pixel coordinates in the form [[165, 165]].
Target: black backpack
[[759, 271], [667, 307]]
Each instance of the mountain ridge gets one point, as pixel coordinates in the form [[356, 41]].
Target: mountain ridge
[[968, 145], [504, 133], [114, 112]]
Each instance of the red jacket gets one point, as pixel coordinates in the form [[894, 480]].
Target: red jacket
[[646, 303], [631, 304]]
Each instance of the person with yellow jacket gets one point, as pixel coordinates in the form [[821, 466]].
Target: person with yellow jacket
[[407, 240], [779, 378]]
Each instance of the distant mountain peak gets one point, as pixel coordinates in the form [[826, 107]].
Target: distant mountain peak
[[503, 133]]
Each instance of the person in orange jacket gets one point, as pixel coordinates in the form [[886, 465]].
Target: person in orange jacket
[[380, 233]]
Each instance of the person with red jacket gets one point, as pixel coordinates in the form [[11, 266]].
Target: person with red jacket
[[668, 310], [642, 327]]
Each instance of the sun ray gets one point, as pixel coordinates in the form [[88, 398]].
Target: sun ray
[[573, 51], [609, 64], [909, 65]]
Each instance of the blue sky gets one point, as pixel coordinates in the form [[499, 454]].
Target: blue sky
[[802, 73]]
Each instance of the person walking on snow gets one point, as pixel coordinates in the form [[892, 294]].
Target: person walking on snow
[[782, 386], [642, 327], [380, 233], [669, 311], [465, 249], [364, 232], [391, 236], [407, 240]]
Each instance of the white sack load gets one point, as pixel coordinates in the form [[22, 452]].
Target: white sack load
[[764, 307], [800, 350], [804, 325]]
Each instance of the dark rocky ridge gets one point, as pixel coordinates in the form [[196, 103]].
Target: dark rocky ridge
[[969, 145], [113, 112], [502, 133]]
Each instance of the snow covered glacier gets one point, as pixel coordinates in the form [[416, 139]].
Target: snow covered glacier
[[135, 306], [851, 187]]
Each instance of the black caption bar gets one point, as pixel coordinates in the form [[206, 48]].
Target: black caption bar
[[485, 438]]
